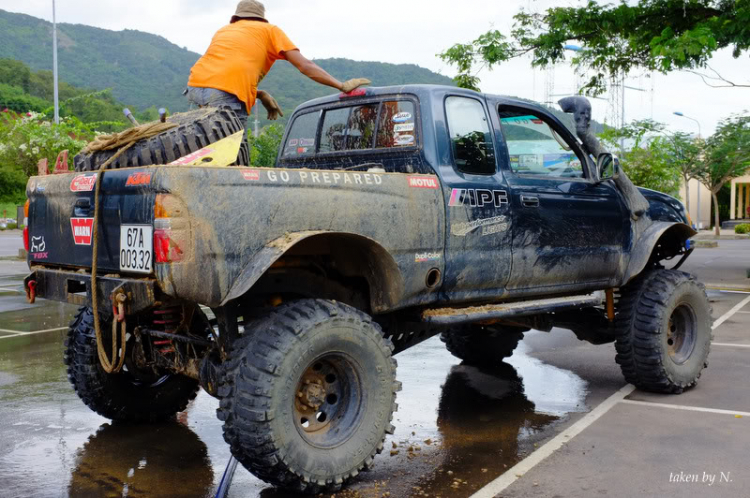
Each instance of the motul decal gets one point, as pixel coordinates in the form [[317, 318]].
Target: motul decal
[[83, 183], [82, 230], [137, 179], [251, 174], [423, 182], [192, 157]]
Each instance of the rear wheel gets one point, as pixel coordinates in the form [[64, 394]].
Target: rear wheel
[[308, 394], [127, 396], [196, 129], [663, 329], [482, 345]]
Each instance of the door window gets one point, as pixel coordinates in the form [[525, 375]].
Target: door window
[[471, 140], [535, 148]]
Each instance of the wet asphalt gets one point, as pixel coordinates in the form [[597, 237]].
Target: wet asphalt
[[458, 426]]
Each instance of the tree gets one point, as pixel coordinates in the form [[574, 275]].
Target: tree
[[683, 154], [656, 35], [265, 148], [726, 156], [649, 162]]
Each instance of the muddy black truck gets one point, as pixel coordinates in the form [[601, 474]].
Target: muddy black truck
[[393, 214]]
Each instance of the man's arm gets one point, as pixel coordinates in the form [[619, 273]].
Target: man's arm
[[318, 74]]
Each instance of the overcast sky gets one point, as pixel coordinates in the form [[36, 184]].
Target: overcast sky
[[411, 31]]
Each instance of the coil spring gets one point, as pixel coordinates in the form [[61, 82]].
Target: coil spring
[[170, 318]]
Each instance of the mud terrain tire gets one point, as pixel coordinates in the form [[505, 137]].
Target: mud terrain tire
[[197, 129], [265, 382], [119, 396], [663, 327], [480, 345]]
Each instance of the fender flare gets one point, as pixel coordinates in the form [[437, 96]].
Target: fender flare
[[646, 243], [382, 272]]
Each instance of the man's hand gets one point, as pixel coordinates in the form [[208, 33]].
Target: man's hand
[[274, 111], [353, 84]]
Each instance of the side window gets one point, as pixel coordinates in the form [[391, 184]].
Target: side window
[[301, 139], [349, 128], [470, 136], [397, 126], [535, 148]]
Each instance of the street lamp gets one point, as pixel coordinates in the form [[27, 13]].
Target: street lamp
[[700, 224], [678, 113]]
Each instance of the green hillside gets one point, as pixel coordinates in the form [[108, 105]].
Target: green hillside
[[147, 70]]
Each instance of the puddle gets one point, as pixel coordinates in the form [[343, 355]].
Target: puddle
[[455, 421], [30, 318]]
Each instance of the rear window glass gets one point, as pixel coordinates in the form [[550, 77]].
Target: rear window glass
[[301, 139], [388, 124], [397, 125]]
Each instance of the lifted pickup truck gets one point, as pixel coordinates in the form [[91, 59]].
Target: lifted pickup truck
[[392, 215]]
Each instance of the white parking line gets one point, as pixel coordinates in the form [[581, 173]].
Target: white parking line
[[11, 290], [726, 316], [514, 473], [730, 345], [18, 333], [686, 408]]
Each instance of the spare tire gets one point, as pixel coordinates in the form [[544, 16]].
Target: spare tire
[[196, 129]]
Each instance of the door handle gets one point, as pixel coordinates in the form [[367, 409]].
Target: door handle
[[82, 207], [529, 201]]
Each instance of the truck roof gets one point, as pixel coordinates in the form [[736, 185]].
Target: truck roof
[[422, 92]]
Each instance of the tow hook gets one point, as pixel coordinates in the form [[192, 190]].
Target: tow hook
[[31, 291], [118, 306]]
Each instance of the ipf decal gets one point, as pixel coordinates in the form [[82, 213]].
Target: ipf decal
[[477, 197]]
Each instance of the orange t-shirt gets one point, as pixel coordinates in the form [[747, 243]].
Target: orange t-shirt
[[239, 57]]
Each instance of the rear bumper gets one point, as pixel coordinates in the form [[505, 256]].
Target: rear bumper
[[75, 288]]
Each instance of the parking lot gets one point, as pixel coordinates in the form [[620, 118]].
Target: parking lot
[[556, 419]]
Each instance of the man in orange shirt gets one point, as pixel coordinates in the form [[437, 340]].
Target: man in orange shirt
[[240, 56]]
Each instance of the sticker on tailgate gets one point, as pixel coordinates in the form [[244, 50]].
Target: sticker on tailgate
[[82, 230], [136, 248]]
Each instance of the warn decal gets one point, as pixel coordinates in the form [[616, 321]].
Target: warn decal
[[82, 230], [83, 183], [478, 197], [137, 179], [423, 182]]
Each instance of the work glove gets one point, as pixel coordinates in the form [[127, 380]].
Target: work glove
[[274, 111], [353, 84]]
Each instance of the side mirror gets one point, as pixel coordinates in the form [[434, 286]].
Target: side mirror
[[608, 166]]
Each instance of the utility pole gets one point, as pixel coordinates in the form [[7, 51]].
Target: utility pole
[[54, 64]]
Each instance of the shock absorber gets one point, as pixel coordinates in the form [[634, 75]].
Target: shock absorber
[[170, 318]]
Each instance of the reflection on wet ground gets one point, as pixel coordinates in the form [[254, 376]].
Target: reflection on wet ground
[[458, 426]]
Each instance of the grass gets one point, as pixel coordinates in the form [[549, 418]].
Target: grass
[[10, 207]]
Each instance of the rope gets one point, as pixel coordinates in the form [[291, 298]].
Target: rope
[[124, 140]]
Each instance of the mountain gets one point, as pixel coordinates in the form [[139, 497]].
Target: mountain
[[147, 70]]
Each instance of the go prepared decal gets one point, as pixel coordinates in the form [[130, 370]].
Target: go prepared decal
[[137, 179], [83, 229], [83, 183]]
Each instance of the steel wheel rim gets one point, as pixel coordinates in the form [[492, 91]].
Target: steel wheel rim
[[682, 331], [329, 401]]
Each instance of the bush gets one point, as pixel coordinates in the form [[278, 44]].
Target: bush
[[12, 226], [742, 229]]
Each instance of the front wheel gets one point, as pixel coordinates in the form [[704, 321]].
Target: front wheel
[[663, 328], [308, 394], [125, 396]]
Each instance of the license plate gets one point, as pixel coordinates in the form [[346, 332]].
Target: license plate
[[136, 248]]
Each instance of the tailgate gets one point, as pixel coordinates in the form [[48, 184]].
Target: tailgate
[[61, 216]]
